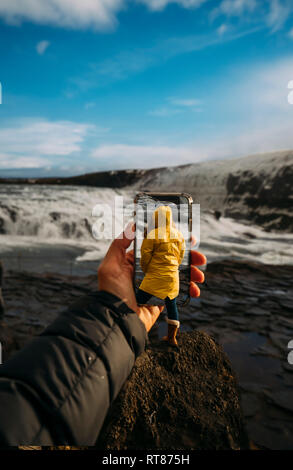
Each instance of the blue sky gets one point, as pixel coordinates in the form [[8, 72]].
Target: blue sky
[[109, 84]]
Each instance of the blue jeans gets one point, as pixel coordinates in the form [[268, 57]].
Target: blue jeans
[[142, 297]]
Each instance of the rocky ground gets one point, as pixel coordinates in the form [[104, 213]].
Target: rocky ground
[[185, 398], [244, 306], [247, 307]]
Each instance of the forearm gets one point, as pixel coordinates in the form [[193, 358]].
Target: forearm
[[58, 389]]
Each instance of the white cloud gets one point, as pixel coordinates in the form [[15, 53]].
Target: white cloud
[[185, 102], [140, 156], [42, 138], [258, 99], [222, 29], [258, 103], [249, 140], [102, 14], [164, 112], [21, 162], [42, 46], [89, 105], [272, 13], [96, 14], [252, 140], [235, 7], [177, 106], [160, 4], [265, 89], [128, 63], [279, 13]]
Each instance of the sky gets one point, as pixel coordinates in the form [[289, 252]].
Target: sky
[[98, 85]]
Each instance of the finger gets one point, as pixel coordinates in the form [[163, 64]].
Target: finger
[[192, 240], [194, 290], [198, 258], [124, 240], [130, 257], [129, 231], [196, 274], [130, 262], [149, 314], [153, 309]]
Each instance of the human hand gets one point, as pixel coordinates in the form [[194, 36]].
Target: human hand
[[196, 275], [115, 275]]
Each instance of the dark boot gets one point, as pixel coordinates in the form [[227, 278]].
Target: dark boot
[[173, 327]]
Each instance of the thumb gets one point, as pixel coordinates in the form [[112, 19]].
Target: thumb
[[120, 244], [149, 314]]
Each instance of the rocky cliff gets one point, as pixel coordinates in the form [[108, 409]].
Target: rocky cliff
[[256, 189], [101, 179], [184, 398]]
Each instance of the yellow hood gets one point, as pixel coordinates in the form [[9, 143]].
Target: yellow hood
[[162, 225], [162, 217]]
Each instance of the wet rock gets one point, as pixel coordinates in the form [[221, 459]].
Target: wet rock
[[288, 367], [178, 399], [2, 305], [8, 341], [33, 301], [286, 322], [2, 226], [287, 304], [249, 235], [252, 387], [267, 350], [280, 341], [267, 438], [55, 215], [287, 379], [257, 311], [238, 321], [216, 301], [250, 404], [283, 399]]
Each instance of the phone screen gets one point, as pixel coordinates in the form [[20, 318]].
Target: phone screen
[[162, 247]]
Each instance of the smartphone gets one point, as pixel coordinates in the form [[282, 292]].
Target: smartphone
[[158, 260]]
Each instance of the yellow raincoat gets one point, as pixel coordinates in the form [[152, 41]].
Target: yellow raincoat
[[162, 252]]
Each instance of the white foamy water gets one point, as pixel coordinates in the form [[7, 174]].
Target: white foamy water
[[228, 239], [43, 218]]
